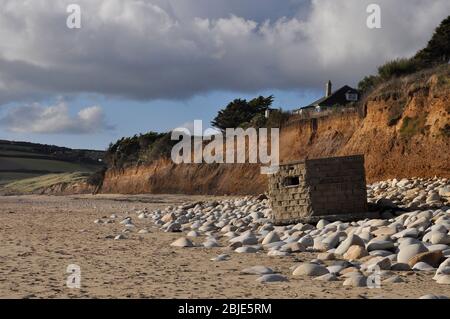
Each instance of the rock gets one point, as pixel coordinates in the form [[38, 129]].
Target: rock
[[444, 265], [331, 241], [444, 191], [355, 252], [421, 266], [182, 242], [322, 223], [246, 250], [440, 247], [400, 267], [221, 257], [271, 237], [432, 258], [306, 241], [394, 280], [309, 269], [143, 231], [384, 231], [326, 256], [356, 281], [293, 248], [277, 253], [142, 216], [211, 243], [376, 244], [271, 278], [410, 232], [440, 238], [192, 233], [348, 270], [377, 263], [173, 227], [381, 253], [246, 239], [335, 269], [257, 270], [351, 240], [120, 236], [408, 251], [170, 217], [327, 277]]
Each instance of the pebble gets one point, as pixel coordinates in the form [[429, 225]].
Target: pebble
[[394, 280], [327, 277], [182, 242], [408, 251], [271, 237], [271, 278], [257, 270], [432, 258], [309, 269], [357, 280], [421, 266], [221, 257], [355, 252], [246, 249]]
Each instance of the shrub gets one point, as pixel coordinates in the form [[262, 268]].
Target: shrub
[[397, 68], [368, 83]]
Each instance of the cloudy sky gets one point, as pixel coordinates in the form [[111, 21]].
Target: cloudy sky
[[140, 65]]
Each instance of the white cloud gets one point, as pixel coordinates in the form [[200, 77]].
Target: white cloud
[[151, 49], [36, 118]]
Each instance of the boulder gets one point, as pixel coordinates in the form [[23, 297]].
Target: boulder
[[182, 242], [351, 240], [408, 251], [355, 252], [432, 258], [309, 269]]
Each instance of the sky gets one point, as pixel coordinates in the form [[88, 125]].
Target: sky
[[141, 65]]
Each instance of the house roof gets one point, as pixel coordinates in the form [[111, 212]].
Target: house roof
[[337, 97]]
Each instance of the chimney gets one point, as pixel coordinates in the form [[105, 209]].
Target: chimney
[[328, 89]]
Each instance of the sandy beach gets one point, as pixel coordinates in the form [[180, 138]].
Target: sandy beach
[[42, 235]]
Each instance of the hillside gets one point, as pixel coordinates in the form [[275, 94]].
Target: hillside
[[403, 129], [21, 161]]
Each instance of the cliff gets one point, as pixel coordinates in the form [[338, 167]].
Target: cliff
[[402, 127]]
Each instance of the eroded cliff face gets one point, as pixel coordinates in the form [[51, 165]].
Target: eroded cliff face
[[403, 129]]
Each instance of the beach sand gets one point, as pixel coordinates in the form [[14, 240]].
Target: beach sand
[[41, 235]]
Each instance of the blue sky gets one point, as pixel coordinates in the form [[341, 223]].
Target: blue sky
[[129, 117], [140, 65]]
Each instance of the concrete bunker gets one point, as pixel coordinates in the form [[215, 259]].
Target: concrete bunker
[[332, 188]]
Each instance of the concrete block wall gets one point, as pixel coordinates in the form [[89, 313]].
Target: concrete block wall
[[318, 187]]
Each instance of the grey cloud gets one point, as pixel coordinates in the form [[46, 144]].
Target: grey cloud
[[172, 50], [53, 119]]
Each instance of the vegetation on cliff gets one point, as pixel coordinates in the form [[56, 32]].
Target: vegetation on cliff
[[435, 53]]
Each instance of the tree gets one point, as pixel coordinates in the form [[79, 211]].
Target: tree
[[438, 49], [241, 112]]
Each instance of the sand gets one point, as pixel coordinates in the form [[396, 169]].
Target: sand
[[41, 235]]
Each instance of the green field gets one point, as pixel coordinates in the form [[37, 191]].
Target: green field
[[30, 185], [21, 160]]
